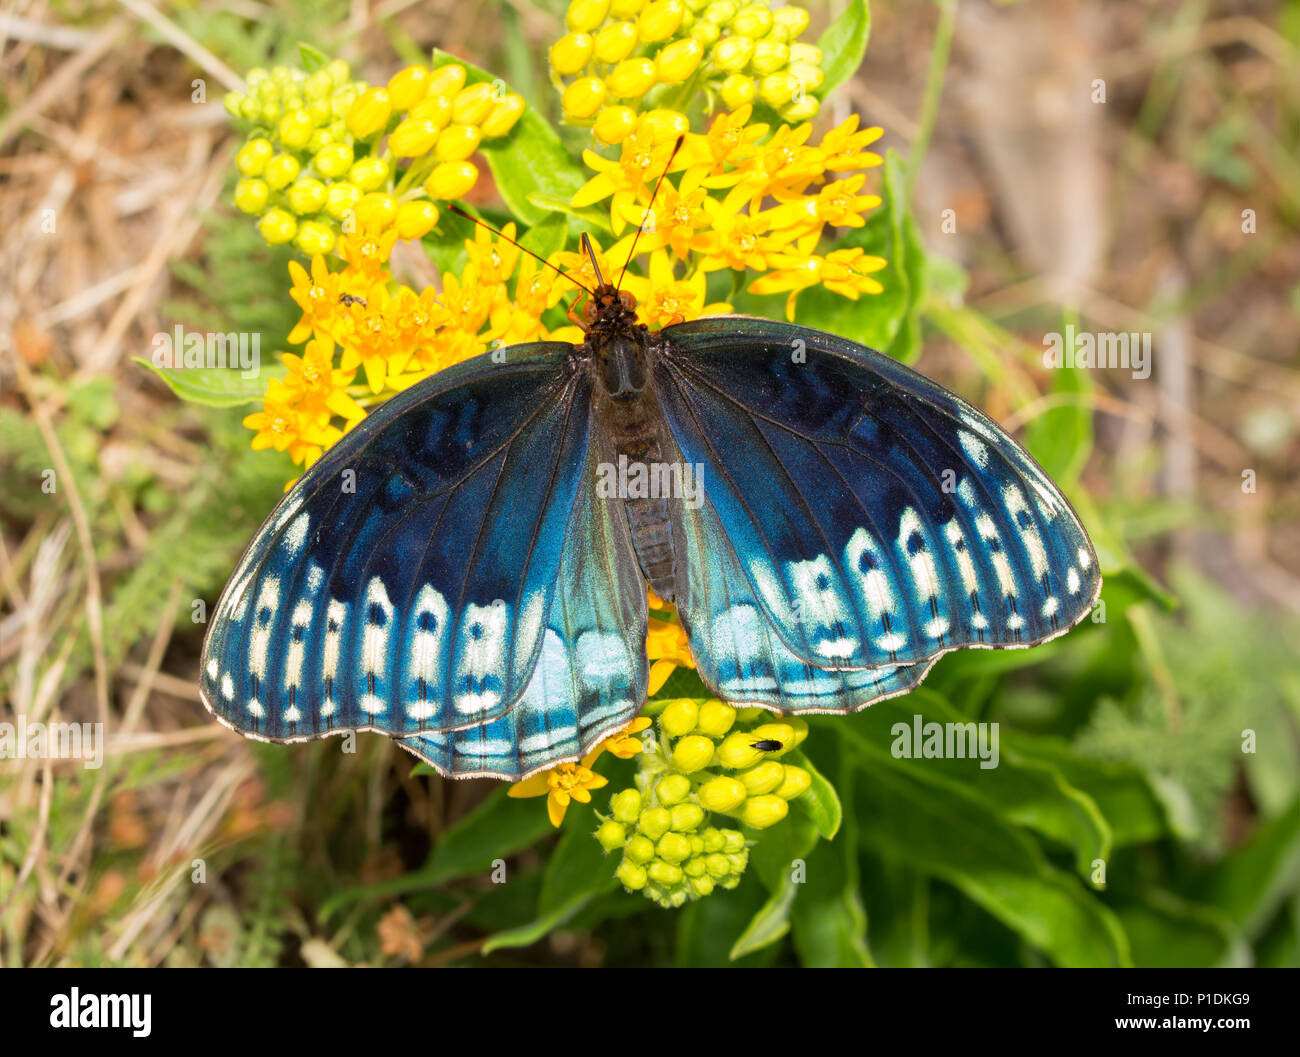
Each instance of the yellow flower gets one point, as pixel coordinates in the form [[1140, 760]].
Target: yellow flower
[[667, 648], [680, 220], [836, 203], [494, 259], [578, 265], [843, 271], [741, 240], [316, 385], [731, 141], [367, 252], [625, 744], [664, 299], [317, 295], [640, 161], [372, 337], [841, 147], [561, 785]]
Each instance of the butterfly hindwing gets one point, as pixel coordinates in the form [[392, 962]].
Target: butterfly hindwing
[[878, 519], [407, 582]]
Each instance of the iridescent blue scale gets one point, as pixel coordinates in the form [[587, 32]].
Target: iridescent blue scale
[[450, 574]]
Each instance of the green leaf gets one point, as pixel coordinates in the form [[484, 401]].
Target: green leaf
[[497, 828], [949, 833], [906, 345], [843, 46], [819, 802], [774, 858], [592, 219], [216, 386], [313, 59], [770, 923], [1166, 932], [530, 159], [708, 928], [1061, 437]]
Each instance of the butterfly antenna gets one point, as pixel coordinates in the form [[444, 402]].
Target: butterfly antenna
[[653, 195], [591, 256], [502, 235]]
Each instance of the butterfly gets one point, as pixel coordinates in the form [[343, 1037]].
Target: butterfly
[[466, 570]]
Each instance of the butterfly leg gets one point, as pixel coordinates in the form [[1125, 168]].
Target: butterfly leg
[[574, 315]]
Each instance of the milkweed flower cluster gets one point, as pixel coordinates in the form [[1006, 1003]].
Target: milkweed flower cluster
[[328, 154], [709, 759], [738, 197], [622, 56]]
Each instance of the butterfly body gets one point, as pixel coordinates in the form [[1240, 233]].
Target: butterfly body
[[466, 570]]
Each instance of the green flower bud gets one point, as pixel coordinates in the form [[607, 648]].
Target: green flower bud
[[655, 822], [277, 226], [769, 56], [369, 174], [334, 160], [701, 886], [737, 90], [686, 816], [251, 196], [722, 794], [632, 875], [295, 129], [611, 835], [760, 812], [341, 102], [679, 717], [732, 54], [737, 861], [800, 728], [733, 841], [615, 42], [231, 101], [763, 777], [640, 849], [713, 839], [256, 77], [625, 805], [673, 789], [752, 21], [318, 85], [659, 20], [319, 111], [314, 238], [306, 196], [695, 866], [341, 198], [697, 844], [281, 171], [738, 751], [796, 782], [253, 156], [673, 848], [692, 753], [716, 718], [717, 865], [730, 881], [664, 873], [250, 109]]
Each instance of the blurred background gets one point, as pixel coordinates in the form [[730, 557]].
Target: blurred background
[[1130, 167]]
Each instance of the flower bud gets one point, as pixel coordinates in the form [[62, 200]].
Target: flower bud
[[407, 87], [732, 54], [659, 20], [800, 728], [277, 226], [281, 171], [625, 8], [778, 732], [614, 124], [369, 174], [790, 21], [368, 116], [251, 196], [777, 89], [697, 842], [334, 160], [584, 97], [447, 80], [473, 104], [717, 865], [416, 219], [505, 113], [340, 198], [679, 717], [640, 849], [451, 179], [318, 85], [250, 109], [412, 138], [615, 42], [707, 33], [673, 848], [319, 111], [631, 78], [678, 60], [662, 126], [341, 102], [738, 860], [713, 839], [769, 56], [722, 794], [625, 805], [654, 822], [339, 72], [760, 812], [571, 53], [701, 886], [611, 835], [716, 718], [808, 75], [306, 196], [376, 210], [803, 108], [632, 875], [686, 817], [295, 129], [752, 21], [231, 101], [796, 782], [763, 777], [253, 156], [695, 867], [721, 11], [457, 142], [692, 753], [585, 15], [733, 841], [737, 750], [673, 789], [801, 52], [664, 873]]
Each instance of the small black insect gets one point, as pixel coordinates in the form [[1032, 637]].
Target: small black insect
[[767, 745]]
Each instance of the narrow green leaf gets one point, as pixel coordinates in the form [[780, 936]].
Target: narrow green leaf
[[843, 46], [313, 59], [592, 219], [770, 923], [819, 802], [216, 386]]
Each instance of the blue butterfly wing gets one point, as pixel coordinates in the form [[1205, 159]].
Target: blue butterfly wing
[[878, 520], [410, 581]]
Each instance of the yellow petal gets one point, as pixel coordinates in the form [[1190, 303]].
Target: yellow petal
[[537, 785], [659, 673], [555, 810]]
